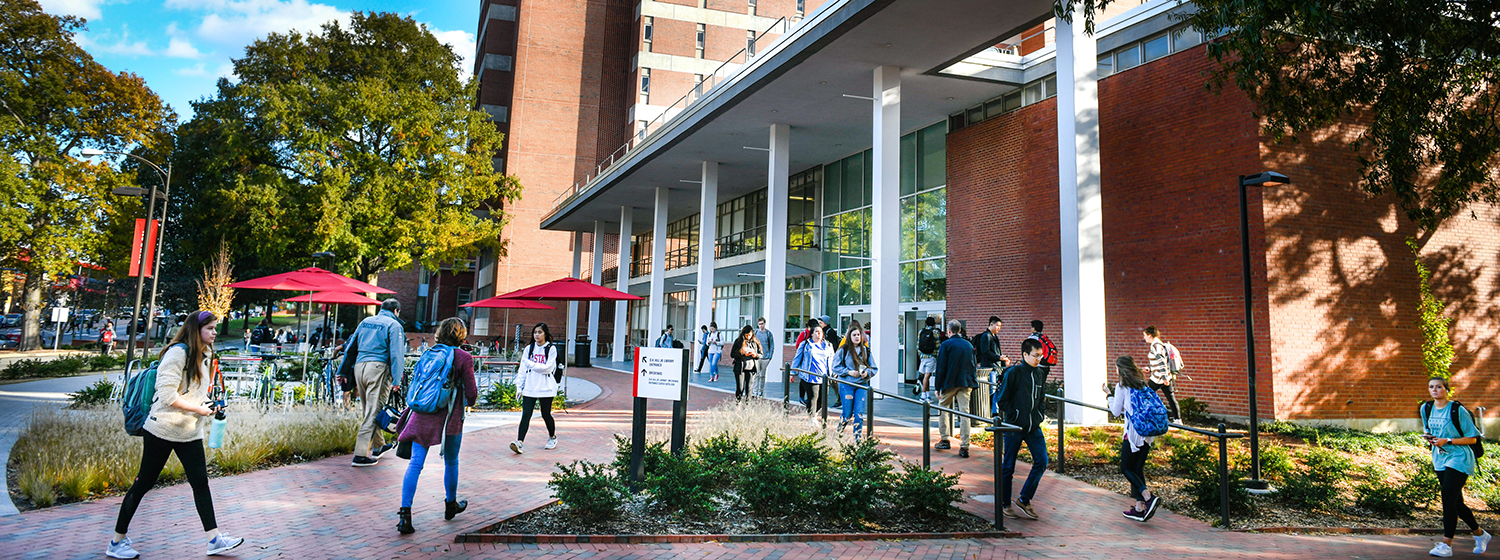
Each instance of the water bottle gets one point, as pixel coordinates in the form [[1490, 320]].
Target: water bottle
[[216, 430]]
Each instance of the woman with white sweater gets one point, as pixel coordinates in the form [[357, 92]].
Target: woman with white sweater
[[536, 383], [179, 416], [1135, 447]]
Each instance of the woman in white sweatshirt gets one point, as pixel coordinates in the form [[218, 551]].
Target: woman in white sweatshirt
[[1135, 447], [179, 416], [536, 383]]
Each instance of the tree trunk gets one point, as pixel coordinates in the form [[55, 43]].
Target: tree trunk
[[31, 302]]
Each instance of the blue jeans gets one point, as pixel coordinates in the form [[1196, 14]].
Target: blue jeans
[[450, 470], [713, 363], [1036, 443], [854, 406]]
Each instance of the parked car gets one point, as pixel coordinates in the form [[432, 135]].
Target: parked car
[[12, 320], [10, 338]]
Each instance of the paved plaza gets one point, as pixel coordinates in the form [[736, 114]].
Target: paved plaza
[[325, 509]]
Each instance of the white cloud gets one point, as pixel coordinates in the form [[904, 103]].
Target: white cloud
[[462, 43], [87, 9], [181, 48], [107, 43], [235, 24]]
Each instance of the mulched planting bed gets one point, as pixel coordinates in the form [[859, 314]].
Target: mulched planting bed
[[638, 517]]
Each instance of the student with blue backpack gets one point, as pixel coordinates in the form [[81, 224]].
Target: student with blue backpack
[[442, 385], [175, 423], [1145, 418]]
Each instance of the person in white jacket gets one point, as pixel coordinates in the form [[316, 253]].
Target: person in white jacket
[[536, 384], [1135, 447]]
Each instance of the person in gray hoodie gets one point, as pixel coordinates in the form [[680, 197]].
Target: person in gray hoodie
[[380, 354]]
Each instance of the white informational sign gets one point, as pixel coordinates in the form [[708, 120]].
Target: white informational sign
[[60, 314], [659, 373]]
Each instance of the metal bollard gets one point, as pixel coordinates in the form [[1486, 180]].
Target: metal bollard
[[869, 413], [926, 434], [786, 385], [823, 399], [1223, 477], [999, 517], [1062, 461]]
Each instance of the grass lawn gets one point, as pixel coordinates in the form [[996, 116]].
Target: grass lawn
[[233, 330]]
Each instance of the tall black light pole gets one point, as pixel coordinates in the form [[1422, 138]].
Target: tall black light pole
[[324, 340], [140, 280], [1262, 179]]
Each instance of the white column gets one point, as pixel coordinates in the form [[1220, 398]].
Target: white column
[[573, 305], [708, 233], [885, 229], [598, 278], [1080, 217], [776, 238], [622, 274], [656, 315]]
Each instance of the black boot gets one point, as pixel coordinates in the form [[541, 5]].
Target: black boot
[[455, 508], [404, 526]]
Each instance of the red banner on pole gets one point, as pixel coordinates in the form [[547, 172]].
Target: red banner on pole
[[136, 262], [149, 263]]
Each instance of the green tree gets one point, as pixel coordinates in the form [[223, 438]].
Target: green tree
[[360, 140], [1422, 75], [59, 100]]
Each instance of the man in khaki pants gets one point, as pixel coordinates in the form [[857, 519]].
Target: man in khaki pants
[[380, 354], [955, 381]]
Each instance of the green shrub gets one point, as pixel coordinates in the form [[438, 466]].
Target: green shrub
[[926, 493], [1423, 486], [1491, 495], [1316, 486], [1193, 410], [777, 480], [682, 484], [1275, 462], [98, 393], [1192, 458], [589, 490], [1379, 494], [655, 454], [856, 482], [725, 456], [1206, 493], [501, 395], [102, 361]]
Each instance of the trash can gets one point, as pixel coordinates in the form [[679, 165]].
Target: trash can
[[581, 352]]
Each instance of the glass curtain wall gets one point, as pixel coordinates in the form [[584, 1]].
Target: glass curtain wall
[[801, 300], [742, 225], [737, 305], [802, 209]]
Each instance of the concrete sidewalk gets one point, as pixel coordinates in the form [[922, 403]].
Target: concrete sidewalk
[[325, 509]]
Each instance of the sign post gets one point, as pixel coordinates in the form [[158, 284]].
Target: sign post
[[660, 373], [59, 316]]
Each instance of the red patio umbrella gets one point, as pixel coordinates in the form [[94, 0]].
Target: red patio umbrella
[[347, 298], [569, 289], [310, 279], [502, 303]]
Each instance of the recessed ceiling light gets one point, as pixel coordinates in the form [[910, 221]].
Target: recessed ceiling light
[[825, 82], [950, 99], [886, 45], [773, 110]]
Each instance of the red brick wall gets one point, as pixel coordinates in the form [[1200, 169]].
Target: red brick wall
[[674, 37]]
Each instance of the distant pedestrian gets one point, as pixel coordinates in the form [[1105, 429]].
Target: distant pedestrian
[[702, 347], [444, 427], [107, 338], [955, 381], [854, 363], [927, 347], [814, 359], [176, 425], [1449, 428], [1049, 350], [536, 383], [1135, 447], [665, 340], [714, 344], [991, 363], [1020, 402], [1162, 377], [768, 345], [379, 355], [745, 352]]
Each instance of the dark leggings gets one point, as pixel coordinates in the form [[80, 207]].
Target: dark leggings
[[1453, 481], [1133, 466], [528, 403], [742, 379], [1171, 399], [153, 459], [809, 394]]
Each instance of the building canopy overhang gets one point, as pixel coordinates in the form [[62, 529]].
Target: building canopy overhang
[[817, 80]]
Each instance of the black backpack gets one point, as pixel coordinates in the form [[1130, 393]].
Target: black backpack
[[927, 341], [1478, 445]]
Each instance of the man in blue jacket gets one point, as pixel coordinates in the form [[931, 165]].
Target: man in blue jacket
[[380, 354], [955, 380]]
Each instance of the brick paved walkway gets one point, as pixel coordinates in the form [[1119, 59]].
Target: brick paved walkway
[[326, 509]]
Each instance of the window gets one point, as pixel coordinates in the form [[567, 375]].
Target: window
[[698, 85], [1127, 58], [752, 7], [1033, 93], [1156, 47], [1106, 65], [465, 295], [1050, 86], [645, 86], [1185, 38], [750, 43], [801, 7], [700, 41], [647, 33]]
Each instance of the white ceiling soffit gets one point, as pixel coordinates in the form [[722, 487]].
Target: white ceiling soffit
[[802, 82]]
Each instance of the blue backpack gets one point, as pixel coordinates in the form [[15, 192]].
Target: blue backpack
[[1147, 413], [140, 391], [431, 388]]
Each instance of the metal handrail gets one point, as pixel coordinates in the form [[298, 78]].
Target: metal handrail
[[996, 425], [1222, 435]]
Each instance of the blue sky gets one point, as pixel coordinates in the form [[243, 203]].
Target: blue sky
[[182, 47]]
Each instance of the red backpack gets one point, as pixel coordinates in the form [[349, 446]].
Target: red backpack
[[1049, 350]]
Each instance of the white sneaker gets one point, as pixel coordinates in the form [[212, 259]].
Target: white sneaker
[[1441, 550], [223, 543], [1482, 543], [121, 549], [551, 443], [517, 446]]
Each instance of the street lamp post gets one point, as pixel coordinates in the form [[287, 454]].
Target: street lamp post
[[140, 281], [1262, 179]]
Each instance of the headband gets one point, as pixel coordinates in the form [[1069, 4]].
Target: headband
[[204, 316]]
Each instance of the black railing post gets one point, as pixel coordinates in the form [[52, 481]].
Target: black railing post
[[786, 385], [926, 434], [1223, 477], [823, 399], [1062, 461], [998, 450], [869, 412]]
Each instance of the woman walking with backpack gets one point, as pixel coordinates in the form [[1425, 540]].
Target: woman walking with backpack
[[444, 427], [1449, 428], [179, 416], [813, 358], [853, 363], [1123, 399], [746, 354], [536, 383]]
